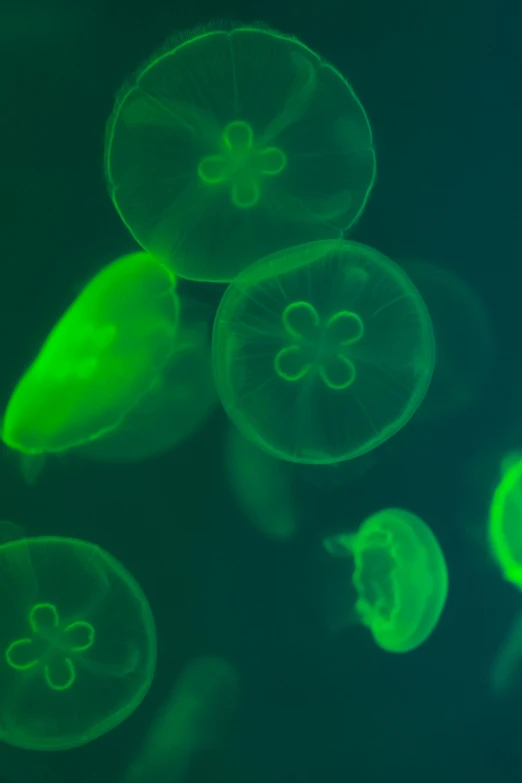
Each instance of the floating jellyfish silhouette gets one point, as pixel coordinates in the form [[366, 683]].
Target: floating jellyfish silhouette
[[77, 643], [505, 523], [506, 669], [463, 336], [232, 143], [176, 406], [261, 488], [101, 358], [322, 352], [195, 721], [400, 577]]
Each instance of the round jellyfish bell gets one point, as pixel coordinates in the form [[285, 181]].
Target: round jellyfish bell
[[101, 358], [400, 577], [232, 143], [322, 352], [77, 643], [505, 523]]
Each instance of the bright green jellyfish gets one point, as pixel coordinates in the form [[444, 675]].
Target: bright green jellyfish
[[178, 404], [505, 523], [322, 352], [101, 358], [77, 643], [400, 577], [232, 143]]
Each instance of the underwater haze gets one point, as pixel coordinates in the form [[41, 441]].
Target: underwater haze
[[243, 640]]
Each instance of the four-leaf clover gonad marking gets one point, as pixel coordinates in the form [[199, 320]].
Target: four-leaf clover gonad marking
[[318, 345], [51, 647], [242, 164]]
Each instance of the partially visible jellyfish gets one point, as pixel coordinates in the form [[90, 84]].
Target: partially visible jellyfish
[[104, 354], [505, 523], [463, 336], [77, 643], [322, 352], [506, 670], [400, 578], [177, 405], [233, 142], [195, 721], [262, 487]]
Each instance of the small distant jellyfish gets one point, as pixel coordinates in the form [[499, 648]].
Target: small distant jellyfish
[[101, 358], [322, 352], [400, 577], [505, 523], [234, 142], [262, 490], [77, 643]]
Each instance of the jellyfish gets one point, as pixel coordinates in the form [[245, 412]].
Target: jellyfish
[[463, 336], [77, 639], [505, 522], [400, 577], [505, 673], [105, 353], [177, 405], [195, 720], [262, 490], [233, 142], [322, 352]]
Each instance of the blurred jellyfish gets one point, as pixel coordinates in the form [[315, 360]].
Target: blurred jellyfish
[[98, 362], [262, 487], [195, 720], [462, 334], [505, 523], [506, 670]]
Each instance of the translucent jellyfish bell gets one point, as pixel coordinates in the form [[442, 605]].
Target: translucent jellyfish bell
[[100, 359], [322, 352], [77, 643], [234, 142], [400, 577], [505, 672]]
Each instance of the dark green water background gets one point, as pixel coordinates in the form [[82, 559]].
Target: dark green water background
[[441, 84]]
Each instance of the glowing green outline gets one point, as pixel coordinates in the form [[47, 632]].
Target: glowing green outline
[[301, 340], [241, 164], [55, 623]]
